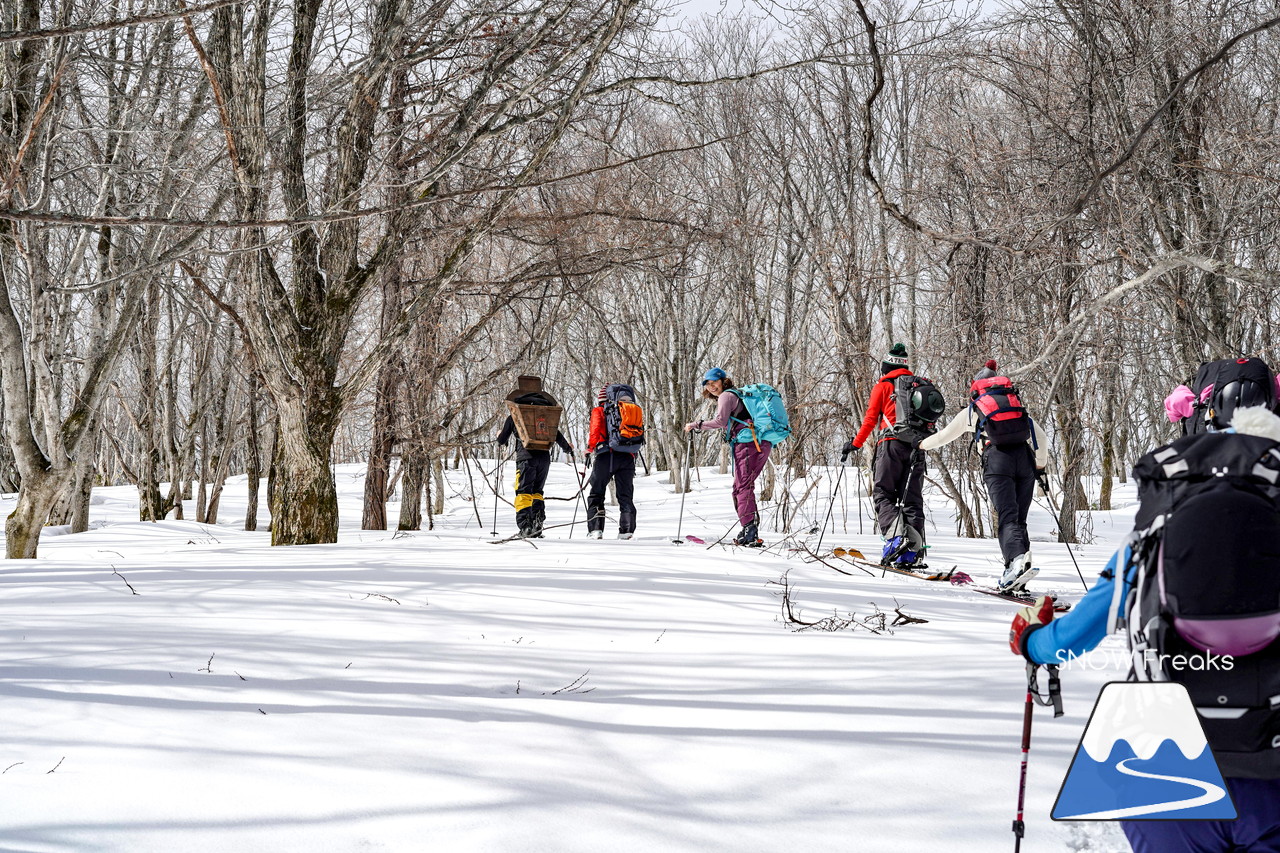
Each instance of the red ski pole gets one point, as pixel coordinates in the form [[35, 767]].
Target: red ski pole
[[1033, 698], [1019, 827]]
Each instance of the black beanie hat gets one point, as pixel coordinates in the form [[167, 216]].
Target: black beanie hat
[[896, 358]]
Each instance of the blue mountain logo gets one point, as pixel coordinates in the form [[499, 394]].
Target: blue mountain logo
[[1144, 756]]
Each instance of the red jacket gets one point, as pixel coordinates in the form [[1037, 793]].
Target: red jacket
[[597, 434], [881, 412]]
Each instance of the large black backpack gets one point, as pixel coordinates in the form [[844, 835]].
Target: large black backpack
[[1237, 383], [918, 405], [1205, 607]]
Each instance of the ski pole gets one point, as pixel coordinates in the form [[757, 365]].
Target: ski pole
[[1019, 826], [581, 485], [684, 485], [1033, 698], [1044, 484], [830, 508], [499, 459], [861, 487]]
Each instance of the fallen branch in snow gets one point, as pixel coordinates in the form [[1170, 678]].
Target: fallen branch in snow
[[126, 583], [56, 766], [875, 622], [11, 766], [208, 667], [575, 685], [379, 595], [906, 619]]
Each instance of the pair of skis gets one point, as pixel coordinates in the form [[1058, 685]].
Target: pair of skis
[[954, 577]]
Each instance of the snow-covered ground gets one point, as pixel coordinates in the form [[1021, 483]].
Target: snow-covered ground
[[185, 687]]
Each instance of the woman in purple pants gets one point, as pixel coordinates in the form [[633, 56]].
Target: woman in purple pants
[[748, 457]]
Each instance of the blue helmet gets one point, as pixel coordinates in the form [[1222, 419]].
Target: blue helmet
[[713, 374]]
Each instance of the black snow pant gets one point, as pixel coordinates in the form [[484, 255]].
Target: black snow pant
[[532, 467], [896, 462], [1010, 475], [621, 468]]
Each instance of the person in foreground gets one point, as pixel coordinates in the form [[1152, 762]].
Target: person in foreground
[[1198, 577]]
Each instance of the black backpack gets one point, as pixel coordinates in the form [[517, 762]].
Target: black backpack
[[1237, 382], [918, 404], [1206, 548]]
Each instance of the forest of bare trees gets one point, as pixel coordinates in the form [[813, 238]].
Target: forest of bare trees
[[247, 237]]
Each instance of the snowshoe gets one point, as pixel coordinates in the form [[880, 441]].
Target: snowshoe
[[595, 534]]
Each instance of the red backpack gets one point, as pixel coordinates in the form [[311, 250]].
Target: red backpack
[[1001, 416]]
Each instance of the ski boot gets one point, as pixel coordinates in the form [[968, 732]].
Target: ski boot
[[893, 546], [1017, 574], [911, 559], [749, 536]]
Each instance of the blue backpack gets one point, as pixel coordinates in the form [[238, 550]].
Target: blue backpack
[[768, 417]]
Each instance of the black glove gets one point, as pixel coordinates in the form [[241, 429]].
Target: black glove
[[1042, 477], [847, 449]]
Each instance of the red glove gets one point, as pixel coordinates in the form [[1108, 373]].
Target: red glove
[[1027, 620]]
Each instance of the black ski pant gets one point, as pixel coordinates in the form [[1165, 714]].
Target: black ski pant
[[898, 474], [621, 468], [1010, 475], [532, 467]]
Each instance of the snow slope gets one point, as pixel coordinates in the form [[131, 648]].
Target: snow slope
[[186, 687]]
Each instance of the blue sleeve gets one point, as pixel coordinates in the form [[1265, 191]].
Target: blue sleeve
[[1084, 627]]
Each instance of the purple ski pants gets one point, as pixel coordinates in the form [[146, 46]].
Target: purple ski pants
[[748, 462], [1257, 830]]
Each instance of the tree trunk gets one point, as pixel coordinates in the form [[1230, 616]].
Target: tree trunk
[[379, 469], [438, 501], [253, 458], [36, 499], [411, 463], [81, 494], [304, 500]]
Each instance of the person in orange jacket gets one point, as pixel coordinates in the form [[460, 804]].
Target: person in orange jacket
[[607, 464], [897, 468]]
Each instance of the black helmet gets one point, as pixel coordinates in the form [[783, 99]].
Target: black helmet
[[1237, 394]]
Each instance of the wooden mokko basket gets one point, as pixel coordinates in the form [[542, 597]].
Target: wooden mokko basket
[[536, 425]]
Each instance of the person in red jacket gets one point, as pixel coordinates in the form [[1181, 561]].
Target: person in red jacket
[[608, 465], [897, 469]]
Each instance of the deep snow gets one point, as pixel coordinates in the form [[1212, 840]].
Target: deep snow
[[432, 691]]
